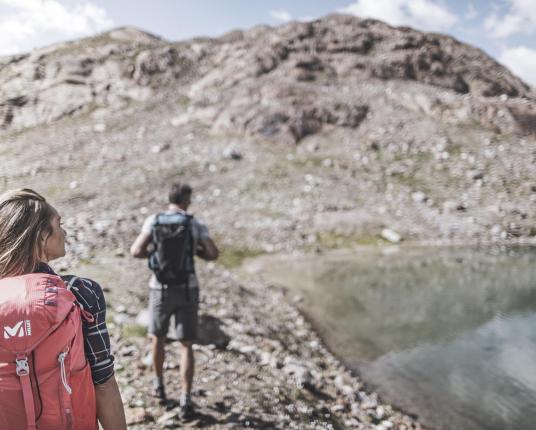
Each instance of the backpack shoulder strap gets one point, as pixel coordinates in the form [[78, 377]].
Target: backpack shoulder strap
[[189, 219], [154, 227], [23, 372], [70, 284]]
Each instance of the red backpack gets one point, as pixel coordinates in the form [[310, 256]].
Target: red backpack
[[45, 380]]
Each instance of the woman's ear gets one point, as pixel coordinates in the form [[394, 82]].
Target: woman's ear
[[42, 245]]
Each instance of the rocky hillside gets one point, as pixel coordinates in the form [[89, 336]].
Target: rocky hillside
[[311, 134], [287, 81]]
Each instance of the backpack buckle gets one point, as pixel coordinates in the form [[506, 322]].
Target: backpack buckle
[[23, 368]]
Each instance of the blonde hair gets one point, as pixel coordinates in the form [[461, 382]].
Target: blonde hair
[[24, 221]]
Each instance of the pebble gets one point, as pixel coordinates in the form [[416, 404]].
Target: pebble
[[418, 197], [391, 235]]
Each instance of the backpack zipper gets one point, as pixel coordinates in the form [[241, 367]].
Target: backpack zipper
[[61, 359]]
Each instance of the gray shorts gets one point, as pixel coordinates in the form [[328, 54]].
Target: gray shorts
[[165, 303]]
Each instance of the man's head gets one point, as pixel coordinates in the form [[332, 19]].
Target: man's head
[[180, 195]]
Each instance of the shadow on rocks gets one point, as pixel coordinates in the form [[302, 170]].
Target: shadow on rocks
[[209, 332]]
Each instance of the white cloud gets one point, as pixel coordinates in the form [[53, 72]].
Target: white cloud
[[503, 26], [519, 18], [25, 24], [522, 61], [423, 14], [471, 13], [284, 16], [281, 15]]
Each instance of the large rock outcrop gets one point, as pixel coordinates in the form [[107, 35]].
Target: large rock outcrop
[[284, 83], [106, 71]]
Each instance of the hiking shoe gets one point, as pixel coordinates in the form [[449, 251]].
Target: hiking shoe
[[186, 411], [160, 393]]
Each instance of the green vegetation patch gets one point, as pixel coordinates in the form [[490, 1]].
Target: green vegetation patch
[[133, 330], [333, 239], [234, 257]]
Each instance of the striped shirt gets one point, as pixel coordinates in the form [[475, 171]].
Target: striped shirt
[[96, 337]]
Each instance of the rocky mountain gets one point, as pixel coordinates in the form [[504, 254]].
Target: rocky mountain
[[359, 124], [296, 79], [287, 82]]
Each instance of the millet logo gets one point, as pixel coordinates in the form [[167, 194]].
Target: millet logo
[[22, 328]]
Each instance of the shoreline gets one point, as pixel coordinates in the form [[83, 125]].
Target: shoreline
[[348, 375], [249, 267]]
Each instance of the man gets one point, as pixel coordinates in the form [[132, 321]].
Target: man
[[170, 239]]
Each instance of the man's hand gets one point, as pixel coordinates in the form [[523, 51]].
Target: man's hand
[[207, 250]]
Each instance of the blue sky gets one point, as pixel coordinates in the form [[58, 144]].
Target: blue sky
[[505, 29]]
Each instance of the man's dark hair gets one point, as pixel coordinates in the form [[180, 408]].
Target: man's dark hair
[[179, 193]]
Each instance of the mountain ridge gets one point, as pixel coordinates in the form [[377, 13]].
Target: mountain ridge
[[130, 64]]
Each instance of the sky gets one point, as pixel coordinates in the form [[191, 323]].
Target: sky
[[505, 29]]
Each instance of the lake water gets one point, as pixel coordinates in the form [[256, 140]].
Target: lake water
[[444, 333]]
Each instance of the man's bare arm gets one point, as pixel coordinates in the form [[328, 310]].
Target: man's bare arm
[[207, 250], [140, 247]]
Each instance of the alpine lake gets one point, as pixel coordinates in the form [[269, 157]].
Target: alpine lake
[[446, 334]]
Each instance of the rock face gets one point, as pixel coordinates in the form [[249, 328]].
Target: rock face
[[107, 71], [284, 83], [272, 81]]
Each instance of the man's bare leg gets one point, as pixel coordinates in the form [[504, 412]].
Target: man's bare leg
[[187, 366], [159, 353], [187, 376]]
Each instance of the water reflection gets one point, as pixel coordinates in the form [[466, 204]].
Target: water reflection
[[483, 379], [445, 333]]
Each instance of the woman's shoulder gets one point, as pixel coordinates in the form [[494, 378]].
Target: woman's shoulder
[[87, 291]]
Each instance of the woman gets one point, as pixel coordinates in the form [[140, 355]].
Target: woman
[[31, 236]]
